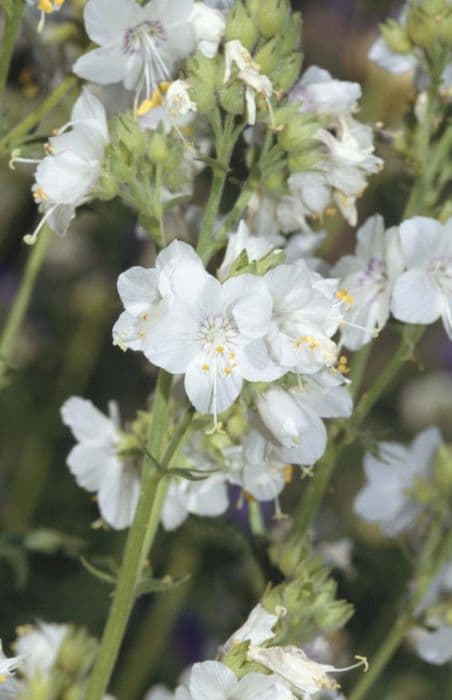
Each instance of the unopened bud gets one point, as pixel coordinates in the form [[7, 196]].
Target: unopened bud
[[240, 26], [396, 37], [158, 148], [273, 17]]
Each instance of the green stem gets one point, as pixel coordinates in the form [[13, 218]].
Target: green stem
[[224, 146], [22, 299], [338, 441], [16, 135], [148, 646], [9, 39], [140, 538], [358, 369], [257, 524]]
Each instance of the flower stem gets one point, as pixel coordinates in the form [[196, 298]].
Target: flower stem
[[338, 440], [22, 299], [15, 136], [9, 39], [140, 538]]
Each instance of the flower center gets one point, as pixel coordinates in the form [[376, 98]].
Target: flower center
[[136, 38], [375, 272]]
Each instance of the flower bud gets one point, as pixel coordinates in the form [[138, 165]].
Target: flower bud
[[421, 27], [77, 652], [396, 36], [269, 56], [288, 73], [291, 39], [298, 133], [203, 74], [158, 148], [307, 160], [273, 17], [232, 97], [240, 26], [442, 468]]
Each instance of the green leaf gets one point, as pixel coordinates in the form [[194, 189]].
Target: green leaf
[[156, 585], [107, 575]]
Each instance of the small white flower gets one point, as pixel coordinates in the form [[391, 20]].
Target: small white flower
[[249, 73], [211, 680], [170, 105], [386, 498], [95, 462], [435, 646], [318, 92], [257, 629], [369, 277], [39, 646], [292, 665], [209, 26], [67, 177], [7, 667], [423, 293], [138, 45]]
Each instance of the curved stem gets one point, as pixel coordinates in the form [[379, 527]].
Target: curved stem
[[22, 299], [9, 39], [140, 538]]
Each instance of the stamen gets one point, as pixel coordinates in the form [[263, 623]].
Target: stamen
[[344, 295]]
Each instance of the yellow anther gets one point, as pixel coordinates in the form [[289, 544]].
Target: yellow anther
[[205, 367], [227, 371], [46, 6], [3, 678], [345, 296], [40, 195], [232, 355], [49, 148], [330, 211], [342, 365], [219, 349], [145, 317], [164, 87], [155, 100], [288, 474]]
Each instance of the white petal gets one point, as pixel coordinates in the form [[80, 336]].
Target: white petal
[[211, 391], [436, 647], [86, 422], [174, 341], [381, 54], [212, 681], [258, 686], [174, 511], [415, 298], [421, 240], [127, 332], [137, 288], [104, 66], [89, 463], [118, 496], [106, 21]]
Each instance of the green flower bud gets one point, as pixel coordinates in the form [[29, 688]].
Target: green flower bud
[[288, 555], [241, 27], [236, 660], [308, 160], [298, 133], [232, 97], [291, 39], [333, 614], [396, 36], [77, 653], [421, 27], [442, 468], [273, 17], [204, 76], [107, 187], [158, 148], [40, 687], [275, 184], [287, 74], [269, 56]]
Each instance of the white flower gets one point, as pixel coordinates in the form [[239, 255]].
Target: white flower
[[138, 45], [212, 680], [423, 293], [304, 318], [292, 664], [159, 692], [142, 291], [67, 177], [386, 498], [257, 468], [212, 333], [257, 629], [318, 92], [256, 247], [39, 646], [209, 26], [304, 245], [248, 72], [7, 668], [170, 105], [369, 277], [435, 646], [95, 462]]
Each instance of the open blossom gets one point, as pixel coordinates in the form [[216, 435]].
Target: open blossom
[[67, 177], [257, 629], [305, 316], [39, 646], [318, 92], [249, 73], [423, 293], [169, 105], [291, 664], [434, 646], [139, 45], [96, 464], [386, 499], [8, 667], [212, 333], [369, 277], [212, 680]]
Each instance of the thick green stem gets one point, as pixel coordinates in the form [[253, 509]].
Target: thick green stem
[[140, 538], [337, 441], [8, 41], [22, 299], [16, 135]]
